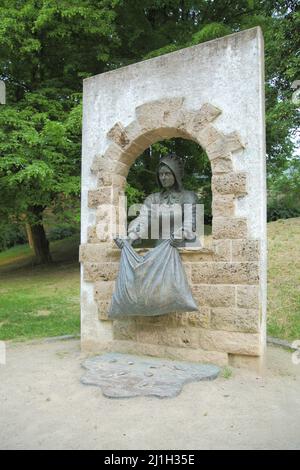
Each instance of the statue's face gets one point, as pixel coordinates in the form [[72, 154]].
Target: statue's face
[[166, 177]]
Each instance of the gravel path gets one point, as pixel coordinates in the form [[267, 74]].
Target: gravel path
[[44, 406]]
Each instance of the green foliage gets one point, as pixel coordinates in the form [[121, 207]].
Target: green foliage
[[48, 47], [284, 194], [11, 234], [210, 31]]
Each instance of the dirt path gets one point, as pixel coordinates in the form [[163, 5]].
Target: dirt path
[[44, 406]]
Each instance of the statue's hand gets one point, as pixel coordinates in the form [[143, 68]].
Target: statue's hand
[[176, 242], [119, 242]]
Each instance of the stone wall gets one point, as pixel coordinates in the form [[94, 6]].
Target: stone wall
[[228, 281]]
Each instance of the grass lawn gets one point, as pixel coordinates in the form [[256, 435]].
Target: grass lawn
[[38, 301], [284, 278]]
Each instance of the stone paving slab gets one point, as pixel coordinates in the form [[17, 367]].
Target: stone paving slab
[[124, 375]]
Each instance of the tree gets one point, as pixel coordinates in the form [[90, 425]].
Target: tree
[[46, 48]]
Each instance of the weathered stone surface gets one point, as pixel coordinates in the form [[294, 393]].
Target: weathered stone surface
[[229, 227], [219, 148], [225, 273], [118, 134], [103, 289], [98, 252], [99, 196], [156, 350], [208, 136], [201, 318], [125, 329], [231, 342], [222, 165], [235, 319], [234, 142], [103, 163], [100, 271], [223, 205], [188, 255], [103, 309], [160, 113], [247, 296], [222, 250], [245, 250], [230, 183], [92, 235], [194, 122], [124, 376], [110, 179], [169, 336], [214, 295]]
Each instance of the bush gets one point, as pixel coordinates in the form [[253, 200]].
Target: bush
[[62, 231], [11, 234]]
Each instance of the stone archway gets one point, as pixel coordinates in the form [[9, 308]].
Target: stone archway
[[227, 281]]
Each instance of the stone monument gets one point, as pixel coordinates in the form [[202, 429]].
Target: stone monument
[[213, 94]]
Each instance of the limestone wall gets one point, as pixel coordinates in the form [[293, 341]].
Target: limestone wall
[[213, 95]]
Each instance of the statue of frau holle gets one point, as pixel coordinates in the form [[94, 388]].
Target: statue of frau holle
[[173, 203]]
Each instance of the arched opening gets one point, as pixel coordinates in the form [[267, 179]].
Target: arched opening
[[141, 179]]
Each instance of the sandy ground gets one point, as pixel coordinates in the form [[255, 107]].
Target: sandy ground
[[44, 406]]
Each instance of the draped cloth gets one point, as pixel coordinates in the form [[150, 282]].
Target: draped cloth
[[152, 284]]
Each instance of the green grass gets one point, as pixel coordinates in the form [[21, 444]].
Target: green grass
[[38, 301], [284, 279]]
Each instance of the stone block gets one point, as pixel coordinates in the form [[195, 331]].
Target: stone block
[[221, 250], [235, 319], [110, 179], [214, 295], [103, 309], [103, 290], [230, 183], [124, 329], [231, 342], [99, 252], [99, 196], [92, 235], [208, 136], [184, 354], [229, 227], [118, 135], [195, 122], [100, 271], [105, 164], [225, 273], [222, 165], [223, 205], [234, 142], [160, 113], [184, 337], [247, 296], [245, 250], [201, 318], [188, 255]]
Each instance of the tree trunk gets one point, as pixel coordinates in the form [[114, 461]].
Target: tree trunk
[[29, 235], [38, 237]]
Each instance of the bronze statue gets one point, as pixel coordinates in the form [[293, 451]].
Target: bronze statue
[[161, 205]]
